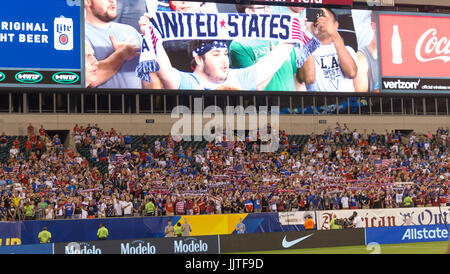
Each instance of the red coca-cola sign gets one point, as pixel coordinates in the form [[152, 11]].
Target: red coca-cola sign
[[414, 45]]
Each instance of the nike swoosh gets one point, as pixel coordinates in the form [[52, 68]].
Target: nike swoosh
[[287, 244]]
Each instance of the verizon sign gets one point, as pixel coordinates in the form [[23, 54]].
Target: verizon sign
[[414, 52]]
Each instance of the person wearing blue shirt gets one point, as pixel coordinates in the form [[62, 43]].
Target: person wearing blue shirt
[[257, 204], [69, 208], [240, 227]]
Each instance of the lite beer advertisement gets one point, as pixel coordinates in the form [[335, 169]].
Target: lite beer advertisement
[[415, 52], [40, 43]]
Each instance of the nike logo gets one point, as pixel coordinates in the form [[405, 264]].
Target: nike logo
[[287, 244]]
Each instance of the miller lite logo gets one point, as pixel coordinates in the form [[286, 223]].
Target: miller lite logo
[[63, 33]]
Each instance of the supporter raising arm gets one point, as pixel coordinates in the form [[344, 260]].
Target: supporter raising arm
[[212, 66], [319, 71]]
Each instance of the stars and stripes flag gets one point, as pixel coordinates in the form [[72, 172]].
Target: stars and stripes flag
[[382, 163]]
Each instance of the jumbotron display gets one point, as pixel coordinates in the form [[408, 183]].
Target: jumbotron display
[[185, 45], [213, 46]]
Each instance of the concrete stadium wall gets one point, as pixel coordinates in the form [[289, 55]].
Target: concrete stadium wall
[[135, 124]]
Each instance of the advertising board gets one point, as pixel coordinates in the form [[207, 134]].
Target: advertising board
[[414, 52], [407, 234], [291, 240], [389, 217], [41, 43], [175, 245]]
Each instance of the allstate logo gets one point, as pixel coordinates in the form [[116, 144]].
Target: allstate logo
[[2, 76], [65, 77], [29, 77]]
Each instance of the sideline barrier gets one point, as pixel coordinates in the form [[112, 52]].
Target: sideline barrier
[[219, 243], [26, 232], [253, 242]]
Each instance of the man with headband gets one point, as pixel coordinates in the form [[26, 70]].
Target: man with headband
[[211, 66]]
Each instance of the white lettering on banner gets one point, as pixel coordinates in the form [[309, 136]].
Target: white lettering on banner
[[427, 234], [139, 249], [182, 247], [71, 249], [401, 84], [389, 217], [431, 44]]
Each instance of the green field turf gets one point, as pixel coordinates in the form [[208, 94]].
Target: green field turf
[[410, 248]]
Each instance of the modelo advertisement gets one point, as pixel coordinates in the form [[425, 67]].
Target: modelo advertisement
[[415, 52], [219, 46], [40, 43], [407, 234], [176, 245]]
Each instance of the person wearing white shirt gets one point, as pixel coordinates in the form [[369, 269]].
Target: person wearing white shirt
[[344, 202], [118, 207], [332, 67], [127, 207], [357, 221]]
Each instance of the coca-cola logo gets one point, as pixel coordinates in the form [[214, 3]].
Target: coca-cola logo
[[433, 47]]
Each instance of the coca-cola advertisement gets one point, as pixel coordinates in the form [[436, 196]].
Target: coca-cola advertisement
[[414, 51]]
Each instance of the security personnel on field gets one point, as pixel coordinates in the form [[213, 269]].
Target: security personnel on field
[[102, 232], [177, 230], [44, 236]]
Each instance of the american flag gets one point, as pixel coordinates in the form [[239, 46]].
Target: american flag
[[229, 145], [16, 168], [298, 33], [383, 163]]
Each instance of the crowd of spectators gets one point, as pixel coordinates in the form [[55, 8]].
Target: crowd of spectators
[[339, 169]]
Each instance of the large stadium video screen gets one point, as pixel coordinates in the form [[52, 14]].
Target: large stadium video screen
[[186, 45]]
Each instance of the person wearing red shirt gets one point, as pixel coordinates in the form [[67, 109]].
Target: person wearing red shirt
[[196, 208], [30, 129], [189, 206], [42, 131], [435, 199], [28, 146], [210, 208], [202, 206], [169, 207], [39, 144], [16, 143]]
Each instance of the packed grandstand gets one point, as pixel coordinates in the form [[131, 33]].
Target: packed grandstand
[[101, 173]]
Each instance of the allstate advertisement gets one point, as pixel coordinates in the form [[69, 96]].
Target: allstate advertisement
[[40, 43], [407, 234]]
